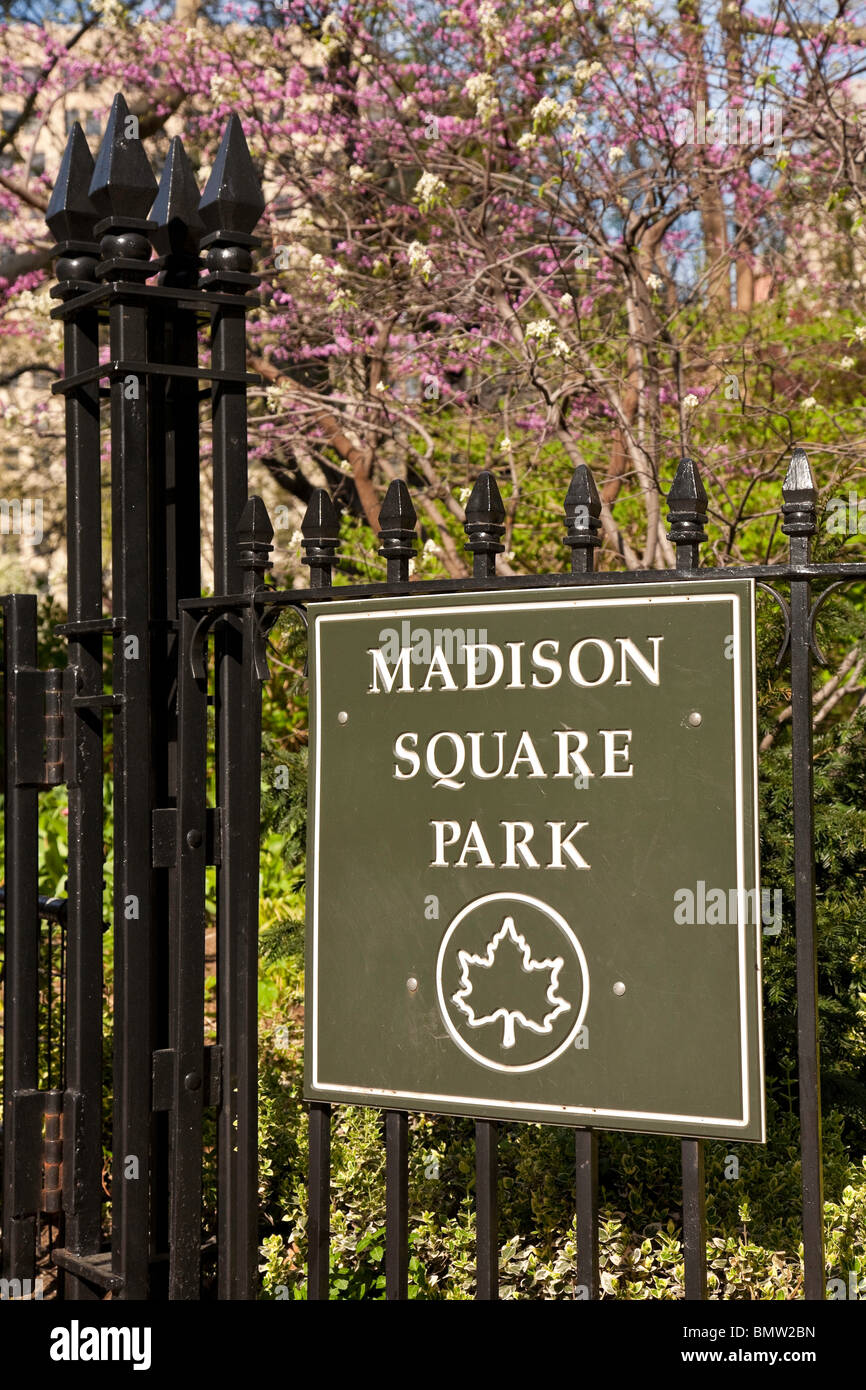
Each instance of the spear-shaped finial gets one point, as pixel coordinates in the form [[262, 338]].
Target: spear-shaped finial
[[582, 512], [71, 216], [320, 529], [123, 184], [232, 200], [484, 524], [254, 534], [800, 497], [175, 212], [687, 514], [397, 521]]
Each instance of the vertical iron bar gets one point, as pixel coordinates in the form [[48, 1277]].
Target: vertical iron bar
[[586, 1190], [487, 1210], [320, 530], [134, 942], [396, 1205], [237, 879], [122, 190], [694, 1219], [133, 800], [799, 523], [71, 216], [687, 514], [187, 962], [230, 206], [180, 890], [319, 1207], [21, 979], [397, 520]]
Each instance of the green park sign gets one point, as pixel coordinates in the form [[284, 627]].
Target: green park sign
[[533, 883]]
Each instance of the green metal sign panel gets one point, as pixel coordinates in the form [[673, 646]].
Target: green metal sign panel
[[533, 883]]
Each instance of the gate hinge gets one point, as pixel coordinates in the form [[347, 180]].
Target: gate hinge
[[36, 732], [164, 836], [210, 1083], [52, 1153], [36, 1123]]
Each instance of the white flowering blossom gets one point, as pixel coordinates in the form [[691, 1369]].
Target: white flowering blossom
[[527, 140], [690, 402], [809, 403], [431, 548], [505, 445], [561, 348], [381, 387], [419, 260], [481, 89], [223, 88], [546, 115], [632, 16], [860, 333], [274, 396], [566, 301], [296, 540], [112, 11], [340, 300], [847, 363], [463, 494], [585, 71], [542, 329], [615, 154], [357, 174], [430, 192], [654, 282], [490, 25], [332, 27]]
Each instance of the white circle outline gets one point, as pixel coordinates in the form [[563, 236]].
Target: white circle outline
[[559, 921]]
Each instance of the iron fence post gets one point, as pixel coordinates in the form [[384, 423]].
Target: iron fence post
[[320, 530], [230, 207], [122, 190], [72, 218], [21, 977], [799, 524], [687, 515], [484, 527]]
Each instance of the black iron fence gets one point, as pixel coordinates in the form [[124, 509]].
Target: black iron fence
[[174, 655]]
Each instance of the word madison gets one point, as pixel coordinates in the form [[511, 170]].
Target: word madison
[[449, 757]]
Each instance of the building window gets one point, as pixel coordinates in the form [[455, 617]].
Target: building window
[[72, 115]]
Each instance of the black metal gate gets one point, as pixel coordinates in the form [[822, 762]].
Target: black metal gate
[[186, 796]]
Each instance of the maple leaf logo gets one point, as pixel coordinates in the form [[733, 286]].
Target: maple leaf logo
[[500, 981]]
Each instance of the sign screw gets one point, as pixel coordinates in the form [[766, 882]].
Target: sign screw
[[412, 984], [342, 717], [695, 719], [193, 838], [619, 987]]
